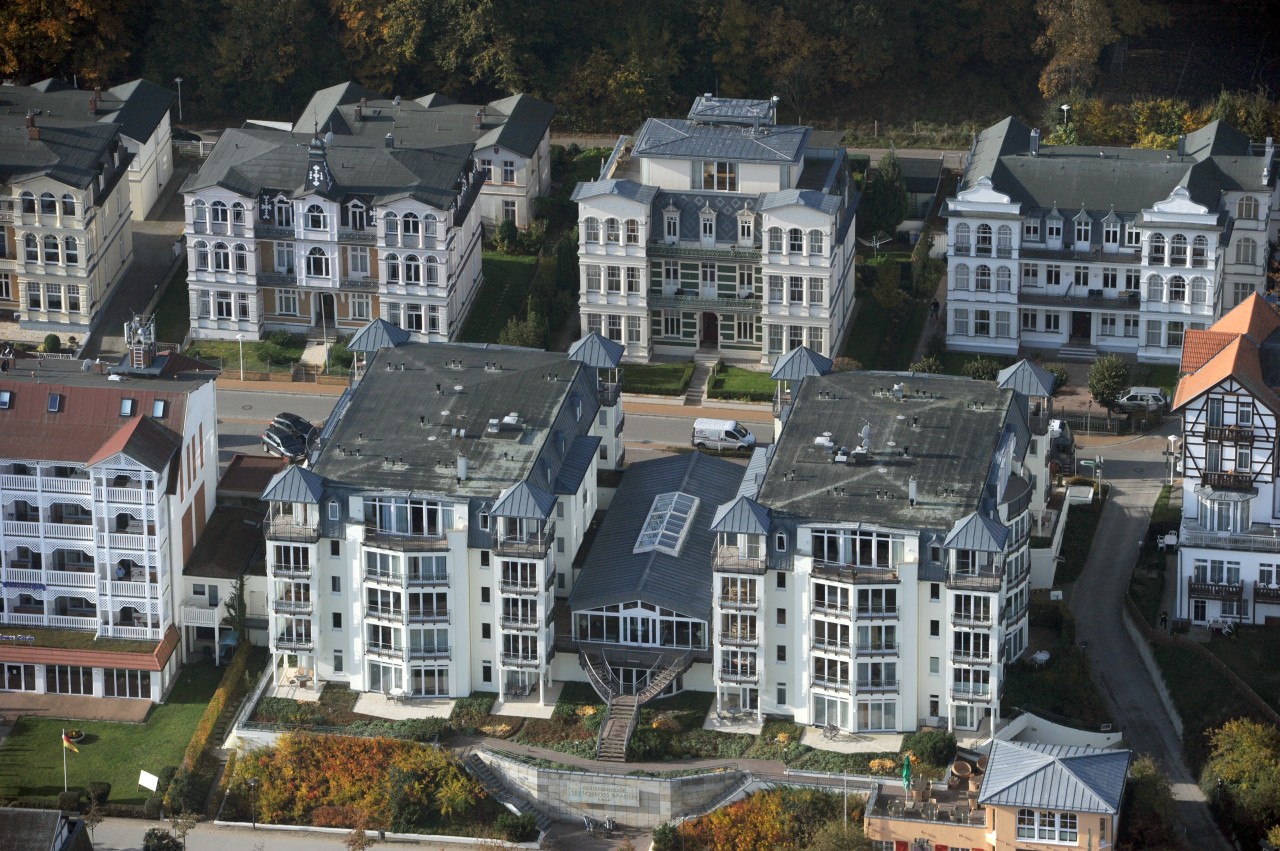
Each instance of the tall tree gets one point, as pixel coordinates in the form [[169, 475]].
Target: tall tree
[[1076, 31], [89, 39], [386, 41], [886, 202]]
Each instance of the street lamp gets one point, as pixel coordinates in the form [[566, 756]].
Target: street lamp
[[253, 800], [240, 339], [1066, 108], [178, 80], [1173, 439]]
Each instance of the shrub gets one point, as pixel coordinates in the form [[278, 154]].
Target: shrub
[[159, 839], [152, 808], [844, 364], [166, 777], [280, 337], [929, 364], [185, 793], [1061, 378], [52, 343], [69, 800], [98, 791], [270, 352], [665, 838], [521, 828], [935, 747], [507, 238], [340, 355], [468, 712], [982, 369]]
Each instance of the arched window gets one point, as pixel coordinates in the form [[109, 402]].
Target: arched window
[[982, 279], [237, 216], [391, 229], [1155, 249], [71, 251], [1247, 207], [48, 205], [1178, 250], [221, 257], [795, 241], [315, 218], [317, 263], [963, 242], [1247, 251], [50, 248], [1155, 288], [32, 247], [591, 229], [633, 232], [241, 253], [983, 243], [428, 226], [28, 202], [1004, 280], [199, 217], [962, 277], [1177, 288], [1199, 290], [393, 269], [816, 242], [775, 240], [431, 266], [284, 212], [219, 216], [1200, 252], [357, 216], [202, 255], [412, 269], [411, 227], [611, 232], [1004, 241], [68, 204]]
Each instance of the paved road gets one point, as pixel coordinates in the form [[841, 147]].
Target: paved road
[[1096, 601]]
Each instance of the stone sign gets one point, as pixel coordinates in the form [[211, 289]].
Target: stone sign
[[615, 795]]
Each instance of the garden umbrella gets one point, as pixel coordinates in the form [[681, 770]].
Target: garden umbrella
[[906, 772]]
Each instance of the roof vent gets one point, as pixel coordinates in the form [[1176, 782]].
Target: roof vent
[[360, 111], [1035, 141], [389, 141], [396, 100]]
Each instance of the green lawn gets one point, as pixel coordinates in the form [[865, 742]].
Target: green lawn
[[886, 339], [658, 379], [1061, 686], [173, 312], [1164, 376], [507, 282], [259, 355], [31, 757], [79, 639], [1082, 525], [1203, 701], [746, 385], [1251, 653]]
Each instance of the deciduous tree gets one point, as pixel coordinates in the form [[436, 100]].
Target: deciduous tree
[[1108, 376]]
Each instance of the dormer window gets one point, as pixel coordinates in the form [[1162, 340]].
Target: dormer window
[[707, 227], [1084, 229], [720, 176], [283, 212], [671, 226], [1111, 232], [1031, 230], [746, 228], [357, 216], [1053, 229]]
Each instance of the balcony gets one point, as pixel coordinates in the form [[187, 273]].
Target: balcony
[[877, 612], [428, 652], [293, 642], [693, 301], [738, 603], [728, 558], [945, 808], [533, 544], [1215, 590], [195, 614], [739, 639], [70, 531], [521, 660], [831, 610], [384, 613], [278, 279], [982, 580], [361, 236], [386, 651], [1229, 434], [126, 496], [521, 623], [116, 588], [833, 683], [21, 529], [872, 686], [261, 231], [961, 694], [841, 648], [864, 575], [18, 483], [291, 571], [877, 649], [971, 620], [383, 577], [971, 657], [71, 578], [739, 675], [513, 586], [609, 393], [66, 484], [1259, 537], [300, 606], [1265, 593], [286, 529], [1228, 481], [428, 616], [728, 253], [375, 537], [427, 580]]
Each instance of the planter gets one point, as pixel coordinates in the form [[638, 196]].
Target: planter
[[975, 782], [961, 769], [76, 736]]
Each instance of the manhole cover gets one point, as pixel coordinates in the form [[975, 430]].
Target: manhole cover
[[246, 407], [1138, 469]]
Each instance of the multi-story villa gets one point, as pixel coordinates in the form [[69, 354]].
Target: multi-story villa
[[422, 549], [66, 236], [723, 231], [107, 480], [1229, 543], [1088, 249]]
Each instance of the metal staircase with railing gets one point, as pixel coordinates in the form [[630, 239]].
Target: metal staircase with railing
[[623, 710]]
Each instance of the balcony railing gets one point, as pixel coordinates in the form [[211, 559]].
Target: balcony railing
[[374, 536], [983, 580], [1257, 538], [877, 685], [1229, 434], [384, 613], [521, 623], [730, 602], [972, 695], [740, 639], [428, 616], [521, 660], [286, 529], [514, 586], [533, 544], [1215, 590], [864, 575], [832, 683], [200, 616], [842, 648], [386, 651], [696, 252], [1228, 481], [693, 301], [971, 657], [292, 571], [971, 619], [836, 610], [428, 579], [738, 675], [1265, 593], [877, 649], [875, 612], [730, 559], [428, 652], [294, 642]]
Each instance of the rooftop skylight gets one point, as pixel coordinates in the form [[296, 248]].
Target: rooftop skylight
[[667, 525]]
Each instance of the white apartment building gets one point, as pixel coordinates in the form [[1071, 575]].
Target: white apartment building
[[107, 479], [1087, 249], [723, 232], [421, 550], [1228, 546]]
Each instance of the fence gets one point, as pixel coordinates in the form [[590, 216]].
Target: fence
[[195, 150], [1087, 422]]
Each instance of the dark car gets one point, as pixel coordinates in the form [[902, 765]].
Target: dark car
[[283, 444], [295, 425]]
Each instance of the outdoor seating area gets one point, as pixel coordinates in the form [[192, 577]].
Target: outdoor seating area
[[401, 706], [521, 700], [933, 802]]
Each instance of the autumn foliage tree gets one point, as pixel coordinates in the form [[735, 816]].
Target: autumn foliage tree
[[1076, 32], [1242, 776]]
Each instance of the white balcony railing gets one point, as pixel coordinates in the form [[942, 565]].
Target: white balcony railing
[[18, 483], [69, 531], [14, 574], [65, 485], [131, 496], [21, 529], [71, 578], [125, 589], [23, 619], [72, 622], [200, 616]]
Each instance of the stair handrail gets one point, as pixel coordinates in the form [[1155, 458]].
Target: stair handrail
[[656, 684], [603, 688], [604, 722]]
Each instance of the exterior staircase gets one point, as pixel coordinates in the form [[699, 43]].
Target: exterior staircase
[[499, 790], [703, 363], [1079, 353], [624, 709], [616, 730]]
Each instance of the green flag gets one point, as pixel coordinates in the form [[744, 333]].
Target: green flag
[[906, 772]]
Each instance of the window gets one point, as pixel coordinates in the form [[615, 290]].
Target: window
[[1111, 232], [317, 263], [1031, 230], [1200, 252], [1155, 249], [315, 218], [782, 652], [983, 241], [1178, 250], [708, 224], [335, 550], [484, 593], [127, 407], [73, 298], [935, 628], [508, 171], [670, 323], [486, 629], [411, 227], [1110, 278], [1002, 324], [795, 287], [1030, 320], [633, 232], [360, 306], [284, 255], [1132, 280], [358, 261], [815, 241], [1155, 288], [31, 246], [1030, 275], [51, 249], [1084, 230], [412, 269], [1004, 281], [960, 322], [782, 617], [287, 302], [613, 279], [614, 328], [1046, 825], [815, 291], [52, 297], [55, 403], [283, 212], [746, 230], [1247, 207], [671, 225], [982, 279], [1132, 237], [795, 241], [593, 278], [71, 251], [1052, 275], [746, 329], [611, 231], [1199, 290], [720, 176], [1053, 229], [240, 254], [221, 257], [633, 332], [1154, 333], [1174, 334], [1247, 251], [1107, 325], [337, 620], [775, 240], [982, 323], [1177, 288], [224, 304]]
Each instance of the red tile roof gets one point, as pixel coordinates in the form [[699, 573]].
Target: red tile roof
[[1230, 348], [1199, 346]]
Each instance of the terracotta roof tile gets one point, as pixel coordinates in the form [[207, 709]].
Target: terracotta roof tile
[[1230, 348], [1199, 346]]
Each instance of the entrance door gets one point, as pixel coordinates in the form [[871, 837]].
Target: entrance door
[[326, 313], [710, 331], [1081, 325]]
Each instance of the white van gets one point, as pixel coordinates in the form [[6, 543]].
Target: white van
[[721, 434]]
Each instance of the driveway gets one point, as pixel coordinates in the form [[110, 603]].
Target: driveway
[[1096, 601]]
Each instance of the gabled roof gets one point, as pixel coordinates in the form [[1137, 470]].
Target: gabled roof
[[1199, 347], [742, 516], [678, 138], [597, 351], [823, 202], [378, 334], [1026, 378], [527, 120], [142, 439], [977, 532], [1244, 345], [1055, 777], [143, 106], [294, 484], [524, 500], [621, 187], [800, 362]]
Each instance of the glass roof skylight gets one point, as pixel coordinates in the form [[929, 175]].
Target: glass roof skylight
[[665, 528]]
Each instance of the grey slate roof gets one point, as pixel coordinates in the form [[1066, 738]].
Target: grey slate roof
[[378, 334], [1217, 158], [677, 138], [823, 202], [613, 573], [744, 111], [726, 204], [1026, 378], [958, 425], [800, 362], [1055, 777], [39, 830], [921, 174], [143, 105], [524, 500], [977, 532], [69, 153], [741, 516], [597, 351], [136, 107], [573, 469], [294, 484], [614, 186]]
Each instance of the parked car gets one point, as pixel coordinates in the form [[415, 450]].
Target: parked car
[[721, 434], [296, 425], [1143, 399], [283, 444]]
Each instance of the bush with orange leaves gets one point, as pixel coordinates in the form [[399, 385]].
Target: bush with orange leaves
[[776, 818]]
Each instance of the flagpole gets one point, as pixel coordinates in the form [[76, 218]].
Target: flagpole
[[64, 760]]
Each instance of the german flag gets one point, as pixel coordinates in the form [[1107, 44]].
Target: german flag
[[68, 744]]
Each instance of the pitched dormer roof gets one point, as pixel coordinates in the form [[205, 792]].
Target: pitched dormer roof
[[1055, 777]]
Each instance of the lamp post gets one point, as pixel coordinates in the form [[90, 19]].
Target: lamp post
[[253, 801], [240, 339], [1066, 108], [1173, 439], [178, 80]]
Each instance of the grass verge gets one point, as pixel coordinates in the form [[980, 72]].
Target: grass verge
[[746, 385], [1082, 526], [1204, 701], [657, 379], [886, 338], [508, 280], [173, 311]]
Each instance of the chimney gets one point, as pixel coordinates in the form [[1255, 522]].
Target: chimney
[[1035, 142], [33, 132], [1182, 146], [479, 122], [359, 112], [93, 104], [913, 490], [389, 142], [462, 467]]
